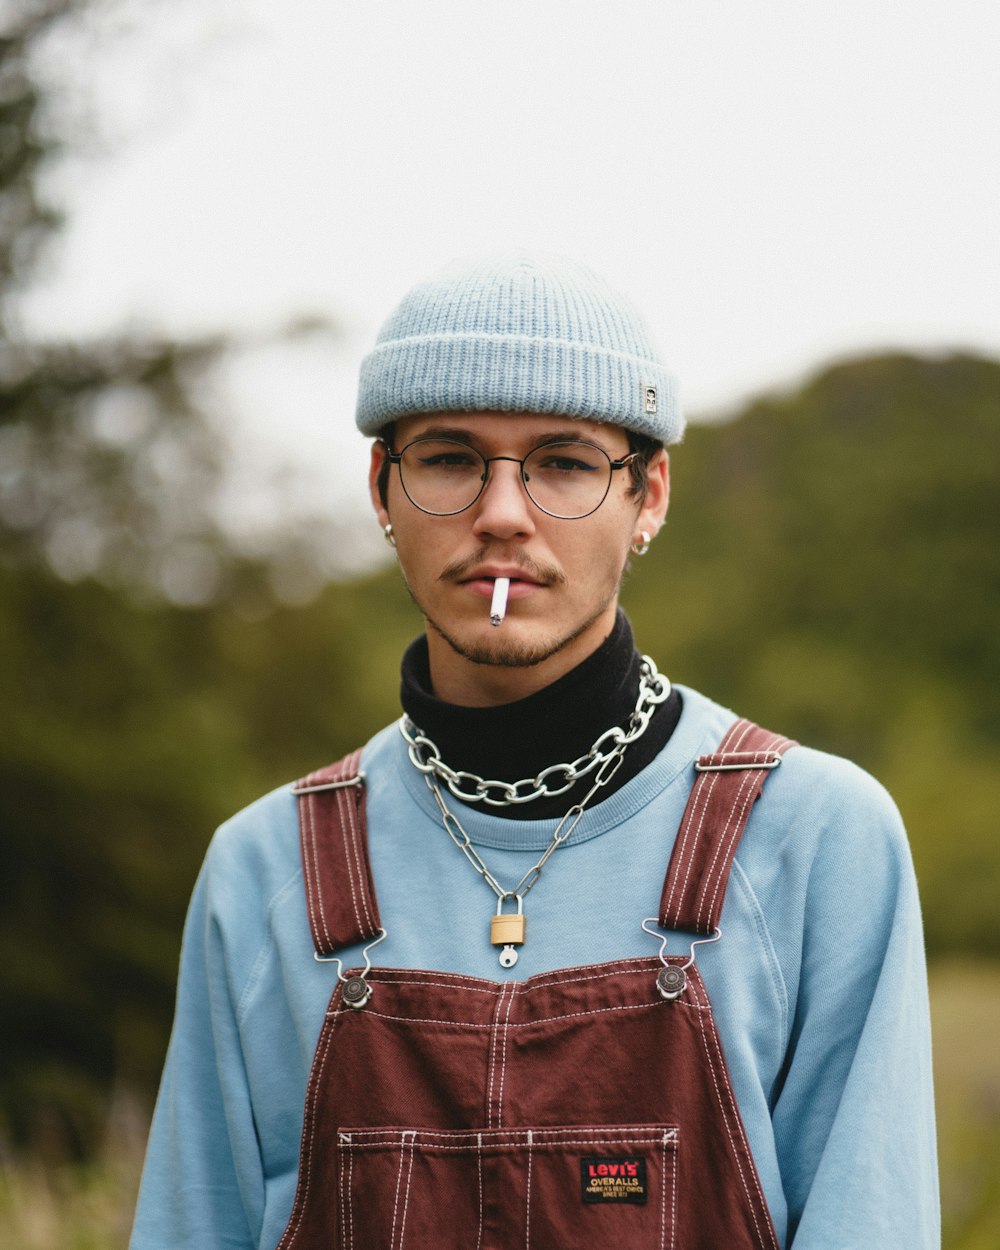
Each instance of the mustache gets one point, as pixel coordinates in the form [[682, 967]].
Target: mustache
[[460, 570]]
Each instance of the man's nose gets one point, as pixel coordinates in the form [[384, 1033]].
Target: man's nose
[[504, 510]]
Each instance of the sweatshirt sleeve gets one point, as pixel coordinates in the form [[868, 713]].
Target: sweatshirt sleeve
[[202, 1183], [854, 1116]]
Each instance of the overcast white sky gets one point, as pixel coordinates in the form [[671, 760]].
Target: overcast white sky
[[776, 183]]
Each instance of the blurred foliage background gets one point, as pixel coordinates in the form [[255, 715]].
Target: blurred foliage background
[[830, 567]]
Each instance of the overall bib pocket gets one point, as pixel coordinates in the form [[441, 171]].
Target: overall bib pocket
[[573, 1187]]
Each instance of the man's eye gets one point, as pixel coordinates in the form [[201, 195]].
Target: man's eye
[[448, 460], [565, 464]]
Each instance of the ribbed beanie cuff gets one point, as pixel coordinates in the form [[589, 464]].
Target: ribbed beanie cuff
[[519, 336]]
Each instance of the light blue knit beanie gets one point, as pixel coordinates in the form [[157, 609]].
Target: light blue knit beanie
[[519, 336]]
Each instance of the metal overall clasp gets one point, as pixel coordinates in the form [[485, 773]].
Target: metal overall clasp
[[357, 989], [508, 930], [671, 980]]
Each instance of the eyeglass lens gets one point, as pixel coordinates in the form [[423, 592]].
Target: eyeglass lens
[[566, 480]]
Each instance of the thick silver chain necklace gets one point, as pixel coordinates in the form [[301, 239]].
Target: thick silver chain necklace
[[654, 689], [508, 930]]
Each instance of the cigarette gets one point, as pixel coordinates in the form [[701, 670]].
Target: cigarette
[[498, 605]]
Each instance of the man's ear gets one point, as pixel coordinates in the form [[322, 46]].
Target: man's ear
[[378, 459], [653, 512]]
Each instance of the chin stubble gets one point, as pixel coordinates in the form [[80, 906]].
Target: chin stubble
[[500, 650], [505, 652]]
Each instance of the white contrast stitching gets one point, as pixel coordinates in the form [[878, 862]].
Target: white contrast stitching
[[390, 1133], [725, 1109], [740, 732], [503, 1062], [343, 1199], [707, 789], [350, 1188], [528, 1024], [479, 1158], [663, 1193], [761, 758], [493, 1048], [355, 847], [749, 783], [522, 1024], [305, 1168], [541, 981], [731, 742], [340, 797], [682, 837], [514, 1139], [743, 797], [315, 893], [406, 1202], [735, 1115], [399, 1180], [443, 985], [493, 986], [527, 1203]]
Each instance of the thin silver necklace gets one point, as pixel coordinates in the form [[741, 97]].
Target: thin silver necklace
[[507, 930]]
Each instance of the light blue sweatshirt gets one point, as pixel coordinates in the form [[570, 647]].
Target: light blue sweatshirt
[[818, 985]]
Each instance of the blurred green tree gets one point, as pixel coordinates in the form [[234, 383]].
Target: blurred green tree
[[109, 474], [131, 724], [104, 461]]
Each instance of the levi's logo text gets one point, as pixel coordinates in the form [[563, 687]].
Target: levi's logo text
[[621, 1178]]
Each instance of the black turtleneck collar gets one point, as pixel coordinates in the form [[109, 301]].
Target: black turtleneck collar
[[552, 726]]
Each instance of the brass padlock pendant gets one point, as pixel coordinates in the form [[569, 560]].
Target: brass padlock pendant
[[508, 932]]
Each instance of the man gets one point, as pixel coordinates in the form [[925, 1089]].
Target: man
[[577, 958]]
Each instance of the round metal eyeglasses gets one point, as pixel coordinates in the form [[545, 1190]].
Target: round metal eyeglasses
[[568, 480]]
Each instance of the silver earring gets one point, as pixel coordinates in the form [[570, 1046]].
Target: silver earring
[[640, 548], [388, 535]]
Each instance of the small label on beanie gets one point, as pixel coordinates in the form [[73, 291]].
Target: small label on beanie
[[649, 395], [613, 1179]]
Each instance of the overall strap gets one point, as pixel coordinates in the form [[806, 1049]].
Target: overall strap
[[728, 783], [340, 896]]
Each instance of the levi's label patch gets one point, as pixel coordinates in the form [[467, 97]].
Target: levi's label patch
[[613, 1178]]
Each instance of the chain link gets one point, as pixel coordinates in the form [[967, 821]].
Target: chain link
[[654, 689], [563, 830]]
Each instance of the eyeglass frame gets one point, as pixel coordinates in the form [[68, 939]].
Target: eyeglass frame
[[396, 457]]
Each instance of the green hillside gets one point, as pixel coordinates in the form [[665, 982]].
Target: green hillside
[[831, 567]]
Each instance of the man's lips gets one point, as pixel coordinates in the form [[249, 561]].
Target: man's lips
[[482, 584], [478, 570]]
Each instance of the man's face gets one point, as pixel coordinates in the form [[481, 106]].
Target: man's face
[[564, 574]]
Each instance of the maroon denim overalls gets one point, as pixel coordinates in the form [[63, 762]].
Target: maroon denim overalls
[[585, 1108]]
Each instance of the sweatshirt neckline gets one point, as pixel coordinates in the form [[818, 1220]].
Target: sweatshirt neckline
[[691, 737]]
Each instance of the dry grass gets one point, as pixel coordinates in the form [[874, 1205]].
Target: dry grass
[[965, 1004], [69, 1207]]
